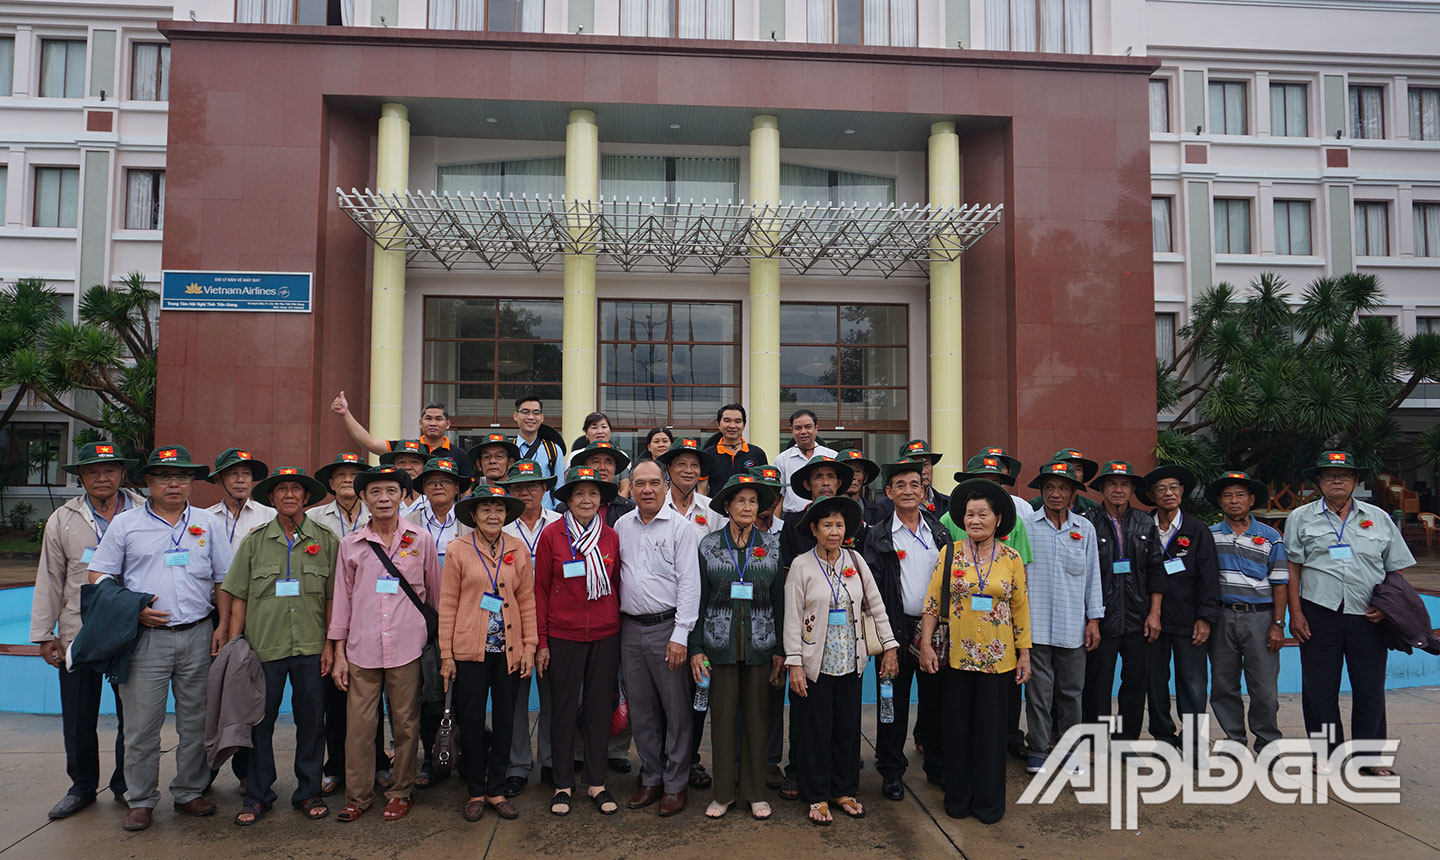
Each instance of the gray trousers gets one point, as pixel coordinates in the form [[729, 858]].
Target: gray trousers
[[1052, 695], [1238, 644], [164, 661], [660, 708], [521, 760]]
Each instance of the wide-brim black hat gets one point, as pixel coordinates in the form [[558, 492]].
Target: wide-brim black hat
[[824, 507], [622, 460], [345, 458], [1187, 478], [577, 475], [852, 457], [550, 433], [465, 508], [999, 498], [739, 482], [383, 473], [1256, 488], [802, 474], [315, 492], [904, 464]]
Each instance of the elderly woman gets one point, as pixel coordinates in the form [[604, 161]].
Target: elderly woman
[[737, 642], [828, 592], [487, 640], [577, 581], [979, 585]]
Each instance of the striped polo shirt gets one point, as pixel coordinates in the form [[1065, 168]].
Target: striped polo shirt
[[1250, 563]]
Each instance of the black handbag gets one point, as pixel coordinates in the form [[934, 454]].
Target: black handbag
[[447, 744], [432, 688], [940, 639]]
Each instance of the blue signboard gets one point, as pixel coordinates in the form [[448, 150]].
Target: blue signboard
[[273, 292]]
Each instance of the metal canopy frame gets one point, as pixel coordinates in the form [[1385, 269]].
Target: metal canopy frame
[[469, 232]]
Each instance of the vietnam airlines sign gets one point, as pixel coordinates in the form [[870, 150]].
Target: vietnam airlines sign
[[273, 292]]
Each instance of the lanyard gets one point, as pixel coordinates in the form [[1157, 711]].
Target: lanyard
[[529, 544], [916, 536], [341, 512], [574, 553], [1119, 538], [225, 512], [745, 556], [493, 574], [289, 550], [184, 521], [828, 570], [983, 578], [429, 518], [1173, 534], [100, 532], [1340, 535]]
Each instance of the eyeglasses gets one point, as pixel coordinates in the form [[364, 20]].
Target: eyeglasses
[[530, 413], [178, 480]]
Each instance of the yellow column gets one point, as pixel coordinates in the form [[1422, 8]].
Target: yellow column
[[764, 314], [582, 187], [946, 371], [387, 296]]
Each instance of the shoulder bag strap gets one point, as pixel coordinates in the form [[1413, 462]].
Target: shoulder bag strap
[[404, 583], [945, 585]]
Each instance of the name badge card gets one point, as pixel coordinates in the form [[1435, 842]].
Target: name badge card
[[982, 603], [287, 588], [1341, 551], [839, 617], [1122, 565], [491, 603], [177, 558], [573, 569], [742, 591], [387, 585], [87, 555], [1174, 565]]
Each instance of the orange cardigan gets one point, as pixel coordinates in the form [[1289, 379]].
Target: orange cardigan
[[464, 581]]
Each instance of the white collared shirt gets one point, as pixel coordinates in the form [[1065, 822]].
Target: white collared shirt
[[660, 568], [333, 518], [531, 537], [917, 564], [252, 516], [700, 516], [441, 532], [789, 462]]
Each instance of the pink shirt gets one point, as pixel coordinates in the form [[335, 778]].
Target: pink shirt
[[383, 631]]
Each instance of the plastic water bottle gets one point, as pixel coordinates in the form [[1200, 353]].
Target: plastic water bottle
[[702, 691], [887, 702]]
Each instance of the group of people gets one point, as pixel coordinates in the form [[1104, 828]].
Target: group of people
[[602, 581]]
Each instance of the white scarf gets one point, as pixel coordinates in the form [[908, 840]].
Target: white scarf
[[586, 543]]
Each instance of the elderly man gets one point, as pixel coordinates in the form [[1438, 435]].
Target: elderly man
[[377, 633], [409, 457], [1132, 579], [822, 476], [659, 606], [901, 552], [1066, 605], [1086, 472], [1248, 635], [236, 474], [528, 482], [282, 584], [804, 431], [608, 462], [493, 456], [864, 472], [731, 454], [434, 427], [346, 513], [1339, 548], [72, 534], [1190, 608], [177, 553]]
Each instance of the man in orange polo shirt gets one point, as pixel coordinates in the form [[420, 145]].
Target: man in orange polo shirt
[[434, 424], [731, 454]]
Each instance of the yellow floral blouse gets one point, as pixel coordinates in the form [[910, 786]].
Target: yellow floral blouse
[[983, 641]]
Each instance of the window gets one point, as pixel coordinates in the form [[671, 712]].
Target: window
[[457, 14], [480, 354], [62, 69], [1159, 106], [800, 184], [1427, 325], [145, 200], [516, 16], [1372, 229], [1427, 227], [668, 179], [1367, 113], [668, 363], [533, 177], [4, 189], [848, 363], [7, 65], [1054, 26], [1424, 110], [891, 22], [57, 193], [1165, 338], [1292, 227], [1163, 235], [686, 19], [1227, 108], [1289, 110], [32, 453], [265, 11], [1232, 226], [834, 21], [150, 73]]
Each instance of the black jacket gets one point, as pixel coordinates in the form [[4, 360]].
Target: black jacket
[[1127, 595], [884, 508], [733, 464], [1407, 622], [109, 627], [1195, 591], [878, 551]]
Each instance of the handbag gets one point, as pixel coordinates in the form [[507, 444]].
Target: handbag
[[940, 639], [432, 688], [873, 646], [447, 745]]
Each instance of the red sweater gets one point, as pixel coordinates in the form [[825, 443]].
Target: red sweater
[[562, 609]]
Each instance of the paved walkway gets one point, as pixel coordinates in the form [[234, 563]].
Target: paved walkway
[[32, 778]]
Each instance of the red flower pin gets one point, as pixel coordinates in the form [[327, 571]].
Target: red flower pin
[[849, 571], [1076, 536], [759, 552], [312, 549], [1259, 541], [196, 530], [407, 539], [1365, 524], [849, 543], [929, 506], [700, 519], [1004, 537], [509, 557], [1183, 541], [900, 553]]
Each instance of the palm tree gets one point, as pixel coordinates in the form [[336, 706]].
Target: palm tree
[[26, 310]]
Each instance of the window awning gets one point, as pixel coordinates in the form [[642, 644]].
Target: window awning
[[468, 232]]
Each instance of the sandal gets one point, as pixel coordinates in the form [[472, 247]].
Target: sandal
[[473, 810], [849, 805], [790, 788], [350, 813], [699, 777], [397, 808], [760, 811], [314, 808], [255, 812], [825, 818], [560, 803], [603, 799], [329, 785], [716, 809]]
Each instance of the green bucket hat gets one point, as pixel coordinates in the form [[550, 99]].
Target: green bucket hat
[[802, 474], [445, 466], [622, 460], [383, 473], [1012, 465], [1333, 460], [494, 439], [824, 507], [1066, 469], [739, 482], [999, 497], [346, 458], [1088, 468], [767, 475], [904, 464], [526, 472], [987, 467], [1187, 478], [1120, 469], [233, 457], [174, 456], [315, 492], [688, 445], [1257, 488], [919, 449], [465, 508], [576, 475], [404, 446], [94, 453], [856, 460]]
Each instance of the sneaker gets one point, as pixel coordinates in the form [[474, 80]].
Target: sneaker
[[1034, 764]]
